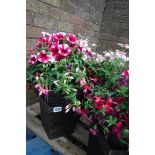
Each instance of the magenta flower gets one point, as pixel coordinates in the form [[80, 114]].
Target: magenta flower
[[93, 131], [54, 49], [89, 52], [118, 130], [125, 73], [64, 49], [94, 80], [98, 102], [31, 49], [43, 57], [46, 91], [32, 59], [109, 101], [86, 88], [82, 81], [117, 127], [71, 38], [108, 109], [59, 57], [60, 36], [99, 105]]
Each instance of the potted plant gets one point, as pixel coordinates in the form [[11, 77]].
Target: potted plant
[[105, 103], [55, 65]]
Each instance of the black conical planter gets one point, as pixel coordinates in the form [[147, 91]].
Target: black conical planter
[[53, 117], [99, 145]]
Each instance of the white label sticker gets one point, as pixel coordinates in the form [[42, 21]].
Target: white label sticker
[[57, 109]]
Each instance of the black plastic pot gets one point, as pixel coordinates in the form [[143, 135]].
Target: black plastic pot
[[53, 117], [99, 145]]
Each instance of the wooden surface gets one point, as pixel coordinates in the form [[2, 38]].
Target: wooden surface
[[60, 144]]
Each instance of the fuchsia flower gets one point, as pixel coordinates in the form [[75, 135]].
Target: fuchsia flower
[[99, 105], [108, 110], [118, 130], [71, 38], [31, 49], [84, 113], [64, 49], [109, 101], [125, 73], [90, 96], [32, 59], [89, 52], [93, 131], [98, 102], [95, 79], [86, 88], [121, 98], [42, 90], [46, 91], [83, 81], [43, 57], [117, 127], [77, 110]]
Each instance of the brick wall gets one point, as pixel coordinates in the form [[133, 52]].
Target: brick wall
[[115, 24], [76, 16]]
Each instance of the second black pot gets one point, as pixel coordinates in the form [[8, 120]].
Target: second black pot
[[53, 117]]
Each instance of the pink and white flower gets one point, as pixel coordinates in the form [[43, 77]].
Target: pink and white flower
[[71, 38], [60, 36], [99, 58], [54, 49], [83, 43], [88, 54], [83, 81], [32, 59], [120, 54], [64, 49], [43, 56]]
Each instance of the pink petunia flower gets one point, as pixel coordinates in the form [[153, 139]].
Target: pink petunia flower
[[60, 36], [89, 52], [64, 49], [71, 38], [32, 59], [43, 57], [54, 49], [83, 43]]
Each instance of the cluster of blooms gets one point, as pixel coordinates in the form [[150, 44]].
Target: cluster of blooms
[[56, 46], [111, 105], [117, 54], [52, 48]]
